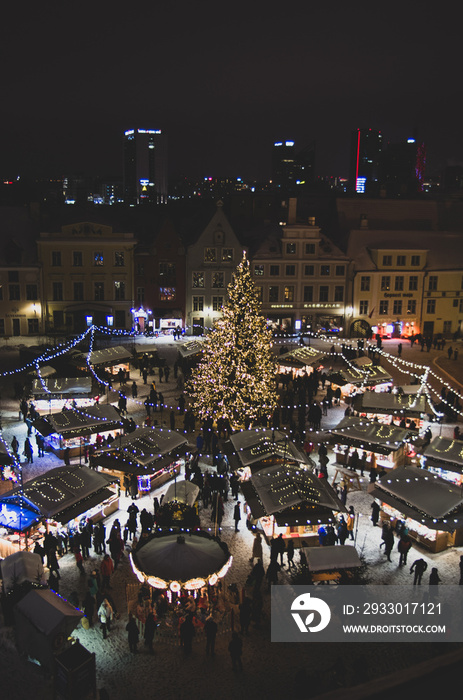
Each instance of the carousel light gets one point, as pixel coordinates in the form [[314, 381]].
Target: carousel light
[[156, 582], [175, 586], [194, 584], [213, 579]]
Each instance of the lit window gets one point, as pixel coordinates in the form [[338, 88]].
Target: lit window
[[198, 279]]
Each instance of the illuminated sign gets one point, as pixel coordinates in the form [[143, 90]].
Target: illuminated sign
[[360, 185]]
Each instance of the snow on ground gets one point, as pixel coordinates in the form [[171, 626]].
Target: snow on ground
[[270, 670]]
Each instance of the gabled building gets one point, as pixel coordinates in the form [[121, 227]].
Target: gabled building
[[211, 260], [87, 277]]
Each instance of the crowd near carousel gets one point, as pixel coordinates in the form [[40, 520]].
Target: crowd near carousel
[[121, 510]]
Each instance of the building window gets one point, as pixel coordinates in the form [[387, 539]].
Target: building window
[[210, 255], [57, 291], [416, 259], [339, 293], [289, 293], [291, 249], [31, 292], [167, 269], [140, 269], [1, 292], [387, 260], [258, 270], [217, 303], [198, 303], [323, 293], [432, 283], [447, 329], [324, 270], [274, 270], [119, 291], [14, 292], [385, 283], [198, 279], [141, 295], [383, 307], [397, 307], [167, 293], [309, 270], [98, 259], [273, 294], [365, 284], [2, 326], [411, 306], [310, 248], [77, 259], [363, 307], [56, 258], [431, 306], [78, 291], [217, 280], [340, 270], [308, 293], [401, 261], [413, 283], [32, 325], [227, 254], [399, 284], [98, 289], [119, 260], [290, 270]]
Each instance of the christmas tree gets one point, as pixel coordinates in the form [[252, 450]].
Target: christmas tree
[[235, 378]]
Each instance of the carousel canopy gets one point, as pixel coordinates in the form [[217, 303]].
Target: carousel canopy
[[181, 558], [20, 567], [391, 404], [301, 357], [332, 557], [445, 453], [182, 491], [421, 496], [60, 494], [79, 422], [17, 512], [252, 447], [366, 434], [59, 386], [143, 451], [105, 356]]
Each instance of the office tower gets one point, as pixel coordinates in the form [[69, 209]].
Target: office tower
[[366, 147], [283, 167], [145, 166]]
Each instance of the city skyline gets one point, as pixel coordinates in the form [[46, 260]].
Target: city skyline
[[223, 90]]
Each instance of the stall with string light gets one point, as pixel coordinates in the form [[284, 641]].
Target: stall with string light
[[430, 507], [75, 428], [360, 373], [52, 394], [385, 406], [60, 497], [111, 360], [444, 457], [299, 361], [386, 446], [151, 455]]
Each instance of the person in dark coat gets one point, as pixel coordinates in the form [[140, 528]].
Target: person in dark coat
[[388, 540], [272, 573], [150, 629], [342, 530], [89, 607], [434, 578], [210, 629], [235, 649], [187, 632], [419, 566], [132, 629], [257, 575], [281, 548], [403, 546], [237, 515], [375, 509], [290, 553]]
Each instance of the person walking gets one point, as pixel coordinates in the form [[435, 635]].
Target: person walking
[[375, 509], [434, 578], [404, 546], [237, 515], [187, 632], [290, 553], [350, 522], [419, 566], [388, 540], [15, 445], [210, 629], [105, 616], [342, 531], [150, 629], [235, 649], [106, 569], [132, 633], [28, 452]]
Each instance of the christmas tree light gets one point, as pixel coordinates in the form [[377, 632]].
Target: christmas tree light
[[235, 378]]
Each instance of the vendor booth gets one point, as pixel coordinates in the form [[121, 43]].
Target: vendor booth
[[62, 496], [360, 372], [250, 450], [111, 359], [413, 408], [330, 563], [444, 457], [19, 567], [430, 507], [43, 623], [151, 455], [55, 393], [299, 361], [291, 501], [386, 446], [76, 428]]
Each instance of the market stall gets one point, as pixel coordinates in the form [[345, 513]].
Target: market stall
[[291, 501], [444, 457], [411, 408], [152, 456], [299, 361], [430, 507], [55, 393], [76, 428], [360, 372], [250, 450], [330, 563], [111, 360], [386, 446], [62, 496]]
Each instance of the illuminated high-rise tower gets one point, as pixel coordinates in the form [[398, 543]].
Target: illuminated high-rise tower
[[366, 148], [145, 166]]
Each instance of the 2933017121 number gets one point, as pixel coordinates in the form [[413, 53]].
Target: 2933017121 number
[[428, 608]]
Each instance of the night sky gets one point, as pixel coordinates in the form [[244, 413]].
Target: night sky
[[224, 81]]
